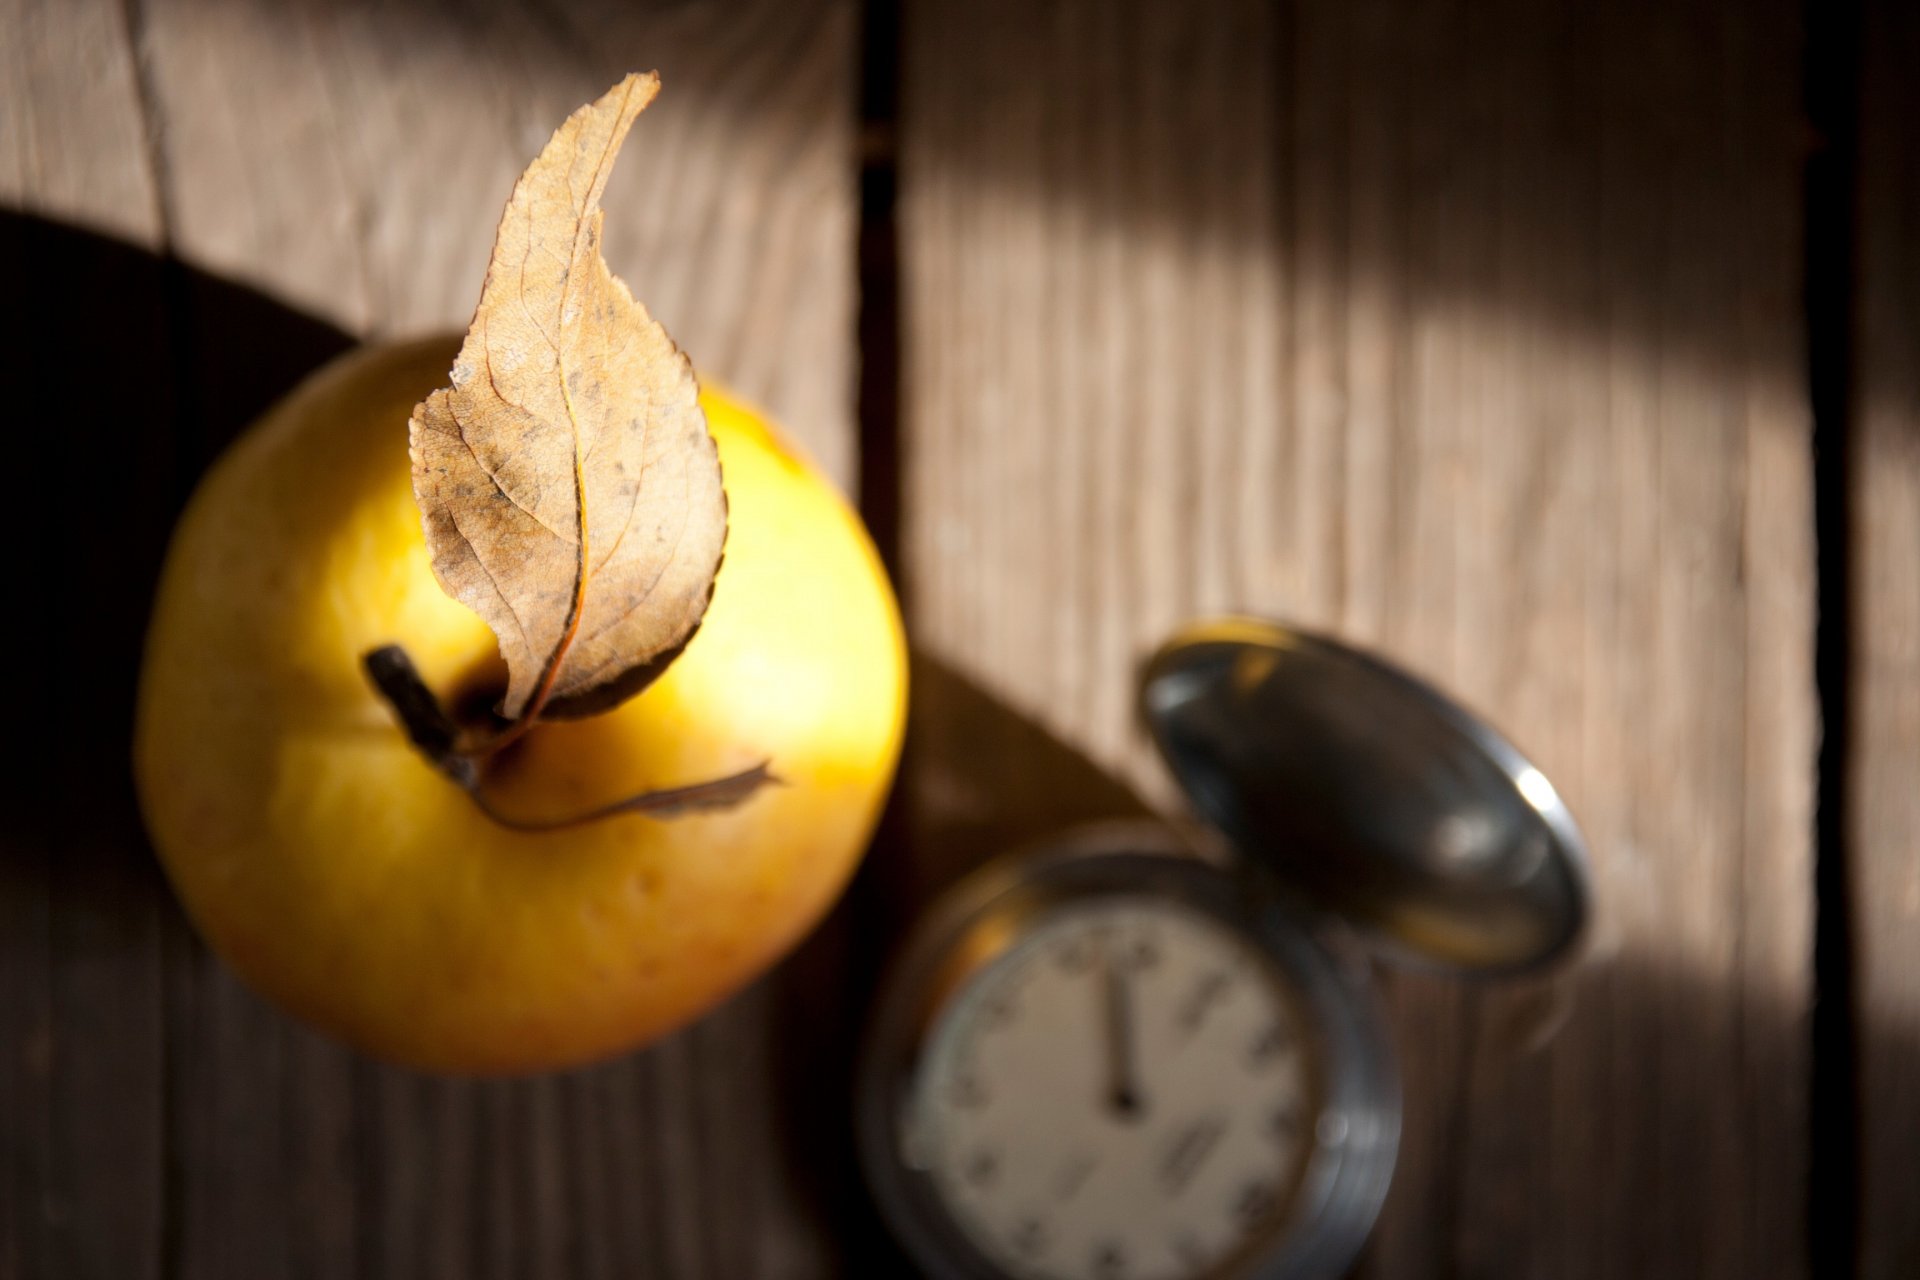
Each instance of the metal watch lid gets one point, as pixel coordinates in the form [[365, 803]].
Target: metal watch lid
[[1371, 794]]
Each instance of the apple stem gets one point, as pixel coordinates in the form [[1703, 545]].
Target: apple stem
[[462, 757], [427, 723]]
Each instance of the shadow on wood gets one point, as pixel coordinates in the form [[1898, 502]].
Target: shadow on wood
[[124, 373], [982, 779]]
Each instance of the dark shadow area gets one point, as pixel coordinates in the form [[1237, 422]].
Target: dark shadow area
[[127, 373], [878, 335], [1832, 212], [124, 373]]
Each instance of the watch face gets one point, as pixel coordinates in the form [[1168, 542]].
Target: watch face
[[1108, 1059], [1126, 1090]]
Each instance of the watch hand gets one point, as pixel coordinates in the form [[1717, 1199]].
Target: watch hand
[[1123, 1082]]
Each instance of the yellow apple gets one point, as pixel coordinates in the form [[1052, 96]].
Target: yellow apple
[[345, 878]]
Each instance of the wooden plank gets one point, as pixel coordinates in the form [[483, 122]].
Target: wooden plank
[[1884, 751], [1467, 333], [80, 915], [324, 171]]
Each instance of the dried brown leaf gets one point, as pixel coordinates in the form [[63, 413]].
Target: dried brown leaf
[[571, 492]]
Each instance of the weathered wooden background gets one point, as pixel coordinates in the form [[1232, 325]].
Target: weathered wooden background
[[1477, 333]]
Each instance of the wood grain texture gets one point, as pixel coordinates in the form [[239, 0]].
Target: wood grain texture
[[1471, 333], [305, 174], [1884, 752]]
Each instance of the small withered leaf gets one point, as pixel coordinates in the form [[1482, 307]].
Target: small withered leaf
[[699, 797], [571, 492]]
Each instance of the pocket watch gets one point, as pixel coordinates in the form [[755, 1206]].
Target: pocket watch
[[1109, 1057]]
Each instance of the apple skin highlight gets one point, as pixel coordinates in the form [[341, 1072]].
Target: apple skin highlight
[[344, 878]]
